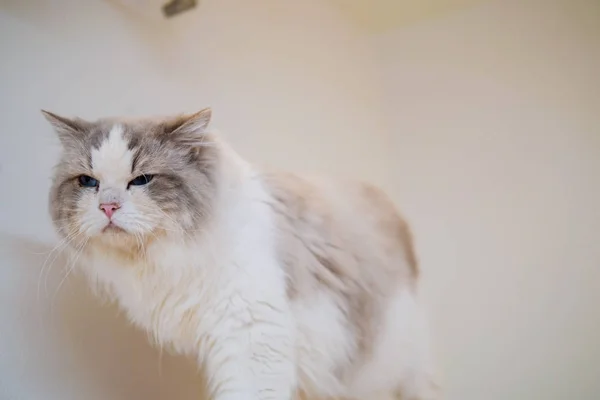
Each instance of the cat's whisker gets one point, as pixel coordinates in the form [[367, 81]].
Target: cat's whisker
[[65, 209], [175, 224], [62, 243], [46, 268], [47, 252], [66, 219], [49, 269], [70, 268], [140, 240]]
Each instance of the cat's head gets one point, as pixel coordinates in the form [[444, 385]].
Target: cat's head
[[122, 182]]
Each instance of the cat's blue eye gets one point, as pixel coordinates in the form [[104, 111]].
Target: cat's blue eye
[[88, 181], [141, 180]]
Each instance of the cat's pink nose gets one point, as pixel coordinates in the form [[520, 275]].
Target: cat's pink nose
[[109, 208]]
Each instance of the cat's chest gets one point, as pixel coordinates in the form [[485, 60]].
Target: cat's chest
[[165, 295]]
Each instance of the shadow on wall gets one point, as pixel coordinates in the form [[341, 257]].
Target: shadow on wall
[[63, 334]]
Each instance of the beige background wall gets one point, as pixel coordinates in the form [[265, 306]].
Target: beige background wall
[[484, 124], [496, 119]]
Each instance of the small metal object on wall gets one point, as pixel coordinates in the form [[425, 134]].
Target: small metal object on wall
[[175, 7]]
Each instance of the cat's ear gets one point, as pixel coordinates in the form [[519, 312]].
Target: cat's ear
[[189, 129], [67, 129]]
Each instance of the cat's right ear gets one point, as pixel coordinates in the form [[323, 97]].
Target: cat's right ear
[[68, 130]]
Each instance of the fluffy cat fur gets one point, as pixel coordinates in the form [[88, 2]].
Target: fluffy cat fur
[[279, 285]]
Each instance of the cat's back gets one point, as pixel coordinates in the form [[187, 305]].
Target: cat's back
[[345, 233]]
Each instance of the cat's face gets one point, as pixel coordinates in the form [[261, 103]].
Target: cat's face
[[126, 181]]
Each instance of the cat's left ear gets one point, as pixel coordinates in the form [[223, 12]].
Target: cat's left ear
[[190, 129], [68, 130]]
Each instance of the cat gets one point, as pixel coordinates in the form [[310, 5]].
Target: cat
[[279, 285]]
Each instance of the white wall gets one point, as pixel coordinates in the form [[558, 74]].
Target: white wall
[[496, 117], [291, 84]]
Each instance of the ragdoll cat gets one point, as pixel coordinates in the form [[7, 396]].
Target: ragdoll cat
[[279, 285]]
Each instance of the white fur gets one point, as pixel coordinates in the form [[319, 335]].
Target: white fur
[[112, 160], [402, 357], [220, 296]]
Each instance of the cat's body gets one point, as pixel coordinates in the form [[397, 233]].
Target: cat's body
[[276, 283]]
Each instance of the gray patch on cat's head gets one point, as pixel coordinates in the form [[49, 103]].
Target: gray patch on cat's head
[[177, 151]]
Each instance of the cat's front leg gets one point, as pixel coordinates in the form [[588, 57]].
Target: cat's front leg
[[253, 358]]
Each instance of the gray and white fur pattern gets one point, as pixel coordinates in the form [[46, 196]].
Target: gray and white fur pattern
[[279, 285]]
